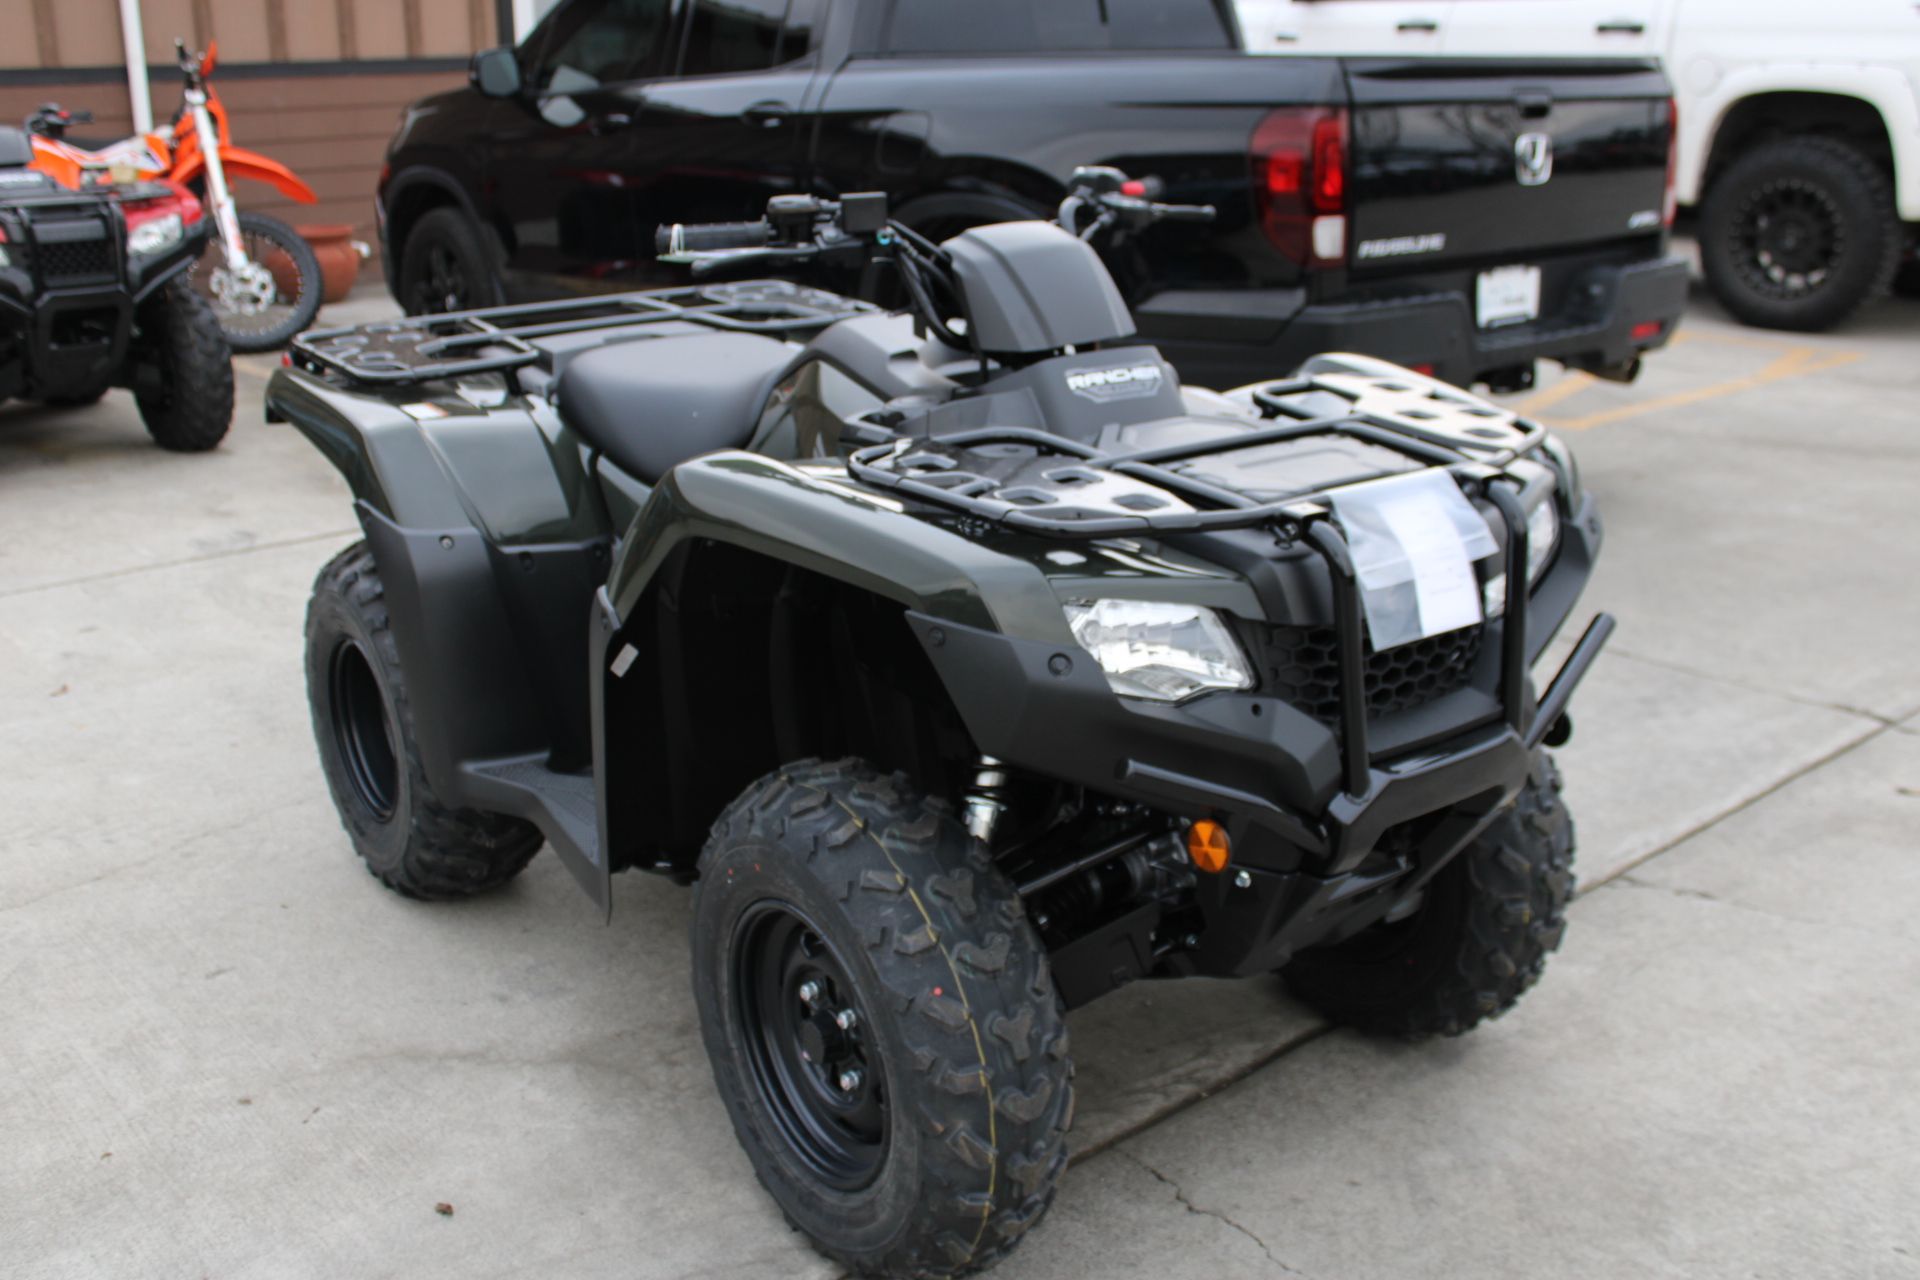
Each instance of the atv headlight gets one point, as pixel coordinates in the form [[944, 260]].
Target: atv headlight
[[1543, 531], [1162, 652], [156, 235]]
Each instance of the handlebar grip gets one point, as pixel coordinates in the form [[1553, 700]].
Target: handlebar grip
[[708, 236], [1185, 212]]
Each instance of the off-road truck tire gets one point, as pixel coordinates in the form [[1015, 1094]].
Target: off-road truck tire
[[1477, 942], [193, 406], [891, 910], [411, 841], [1825, 185]]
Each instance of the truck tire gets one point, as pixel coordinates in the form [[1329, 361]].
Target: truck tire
[[1478, 941], [1799, 233], [411, 840], [445, 266], [191, 407], [882, 1023]]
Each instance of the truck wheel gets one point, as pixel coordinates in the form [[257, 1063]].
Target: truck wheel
[[1798, 233], [413, 842], [1476, 943], [445, 266], [882, 1023], [189, 404]]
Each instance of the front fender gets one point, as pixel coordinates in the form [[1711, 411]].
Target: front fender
[[812, 519], [240, 163]]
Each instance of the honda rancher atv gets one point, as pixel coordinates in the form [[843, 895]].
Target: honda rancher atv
[[94, 294], [966, 664]]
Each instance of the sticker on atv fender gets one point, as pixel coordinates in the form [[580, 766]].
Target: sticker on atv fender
[[1126, 382]]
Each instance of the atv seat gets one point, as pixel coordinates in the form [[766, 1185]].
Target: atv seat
[[16, 152], [653, 404]]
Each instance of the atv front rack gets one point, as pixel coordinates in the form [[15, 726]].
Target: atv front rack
[[502, 339], [1425, 420]]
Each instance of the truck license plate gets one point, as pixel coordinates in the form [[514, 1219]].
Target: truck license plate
[[1508, 295]]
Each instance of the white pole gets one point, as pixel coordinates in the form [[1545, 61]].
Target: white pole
[[133, 36]]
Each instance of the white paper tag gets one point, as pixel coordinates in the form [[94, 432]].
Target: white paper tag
[[1443, 580], [1414, 540]]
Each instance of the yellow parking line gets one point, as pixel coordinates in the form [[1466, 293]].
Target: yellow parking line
[[1796, 362]]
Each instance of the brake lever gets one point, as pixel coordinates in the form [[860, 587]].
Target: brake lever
[[709, 261]]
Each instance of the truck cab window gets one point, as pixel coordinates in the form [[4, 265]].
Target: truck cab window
[[596, 42], [1056, 26], [733, 35]]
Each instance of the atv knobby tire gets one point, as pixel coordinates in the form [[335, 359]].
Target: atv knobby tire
[[1835, 197], [188, 405], [959, 1027], [1478, 941], [412, 841]]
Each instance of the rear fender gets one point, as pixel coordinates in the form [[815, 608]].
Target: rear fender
[[485, 539]]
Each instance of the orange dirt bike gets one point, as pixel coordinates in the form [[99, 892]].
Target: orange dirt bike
[[261, 277]]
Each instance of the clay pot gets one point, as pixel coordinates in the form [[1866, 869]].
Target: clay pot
[[339, 258]]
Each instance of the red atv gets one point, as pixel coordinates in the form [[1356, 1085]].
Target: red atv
[[94, 294]]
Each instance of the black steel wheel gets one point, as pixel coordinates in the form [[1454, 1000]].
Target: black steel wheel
[[883, 1028], [445, 266], [414, 842], [272, 296], [1798, 233], [799, 1017], [364, 730]]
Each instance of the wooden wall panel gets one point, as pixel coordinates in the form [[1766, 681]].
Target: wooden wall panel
[[88, 33], [380, 27], [313, 30], [162, 21]]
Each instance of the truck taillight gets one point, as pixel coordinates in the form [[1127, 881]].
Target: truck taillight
[[1671, 208], [1299, 157]]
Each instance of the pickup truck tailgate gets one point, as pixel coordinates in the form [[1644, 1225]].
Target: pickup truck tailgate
[[1476, 161]]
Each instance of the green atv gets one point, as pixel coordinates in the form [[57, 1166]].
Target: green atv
[[965, 663]]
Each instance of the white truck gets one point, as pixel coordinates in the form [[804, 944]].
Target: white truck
[[1799, 124]]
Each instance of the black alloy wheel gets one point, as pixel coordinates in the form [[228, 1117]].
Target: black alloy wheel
[[364, 731], [1787, 238], [446, 265], [807, 1049]]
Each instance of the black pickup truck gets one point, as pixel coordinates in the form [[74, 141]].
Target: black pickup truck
[[1464, 218]]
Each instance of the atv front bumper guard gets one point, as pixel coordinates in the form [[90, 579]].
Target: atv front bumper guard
[[1329, 837]]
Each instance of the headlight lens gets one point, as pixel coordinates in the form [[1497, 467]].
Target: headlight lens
[[156, 235], [1158, 651], [1543, 530]]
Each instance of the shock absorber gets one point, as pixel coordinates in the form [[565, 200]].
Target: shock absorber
[[986, 799]]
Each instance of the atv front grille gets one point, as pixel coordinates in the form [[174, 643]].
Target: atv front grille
[[1301, 666], [74, 261]]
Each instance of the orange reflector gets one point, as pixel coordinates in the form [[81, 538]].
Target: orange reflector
[[1207, 845]]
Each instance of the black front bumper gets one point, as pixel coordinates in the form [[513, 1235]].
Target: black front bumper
[[1308, 805], [1602, 316]]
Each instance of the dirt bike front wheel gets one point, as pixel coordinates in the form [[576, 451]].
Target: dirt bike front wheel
[[272, 296]]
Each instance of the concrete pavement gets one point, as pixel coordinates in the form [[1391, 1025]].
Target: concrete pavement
[[225, 1052]]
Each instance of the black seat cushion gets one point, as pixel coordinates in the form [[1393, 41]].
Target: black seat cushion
[[651, 405], [15, 151]]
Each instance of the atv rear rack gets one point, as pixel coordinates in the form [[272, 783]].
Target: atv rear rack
[[501, 339]]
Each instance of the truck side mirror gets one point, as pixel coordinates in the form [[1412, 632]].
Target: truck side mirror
[[495, 72]]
